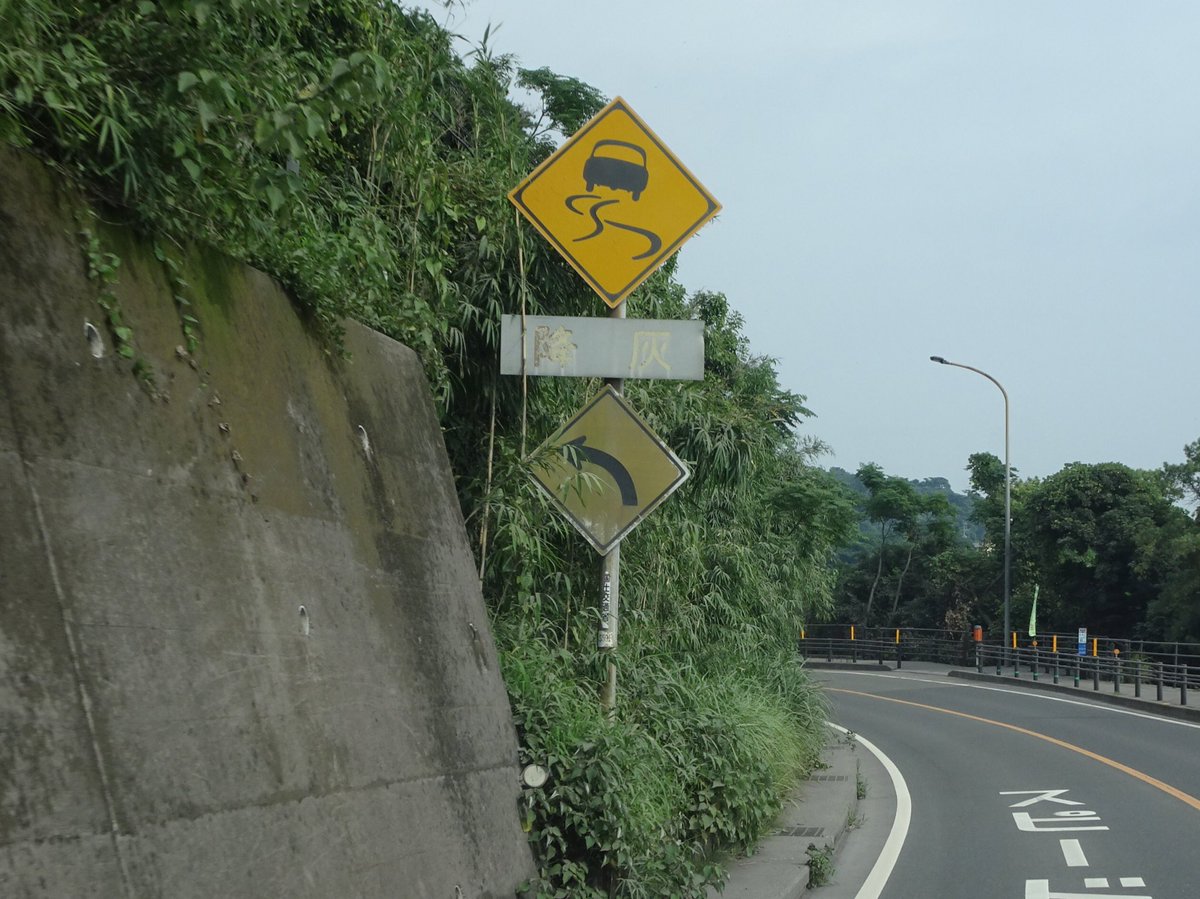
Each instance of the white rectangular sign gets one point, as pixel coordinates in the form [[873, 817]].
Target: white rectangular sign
[[583, 347]]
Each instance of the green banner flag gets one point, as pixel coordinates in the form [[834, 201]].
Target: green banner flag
[[1033, 613]]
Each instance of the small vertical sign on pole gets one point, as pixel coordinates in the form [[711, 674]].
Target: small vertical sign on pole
[[608, 637]]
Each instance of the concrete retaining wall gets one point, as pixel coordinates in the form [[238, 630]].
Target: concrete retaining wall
[[173, 723]]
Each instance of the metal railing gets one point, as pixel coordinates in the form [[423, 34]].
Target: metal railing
[[1142, 669], [1138, 675], [854, 643], [832, 649]]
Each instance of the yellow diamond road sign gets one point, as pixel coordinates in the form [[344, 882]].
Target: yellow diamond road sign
[[632, 470], [614, 201]]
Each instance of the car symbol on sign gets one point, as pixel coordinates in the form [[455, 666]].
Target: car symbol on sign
[[618, 165]]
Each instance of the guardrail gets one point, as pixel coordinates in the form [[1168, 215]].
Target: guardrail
[[1153, 673], [1122, 674], [852, 643], [832, 649]]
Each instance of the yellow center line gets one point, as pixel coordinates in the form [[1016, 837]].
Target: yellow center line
[[1104, 760]]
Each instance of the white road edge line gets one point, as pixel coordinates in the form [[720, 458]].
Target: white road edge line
[[882, 869], [1032, 695]]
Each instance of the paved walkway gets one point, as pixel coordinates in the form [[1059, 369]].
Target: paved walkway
[[814, 820]]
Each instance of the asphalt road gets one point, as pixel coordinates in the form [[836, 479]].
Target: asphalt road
[[1017, 795]]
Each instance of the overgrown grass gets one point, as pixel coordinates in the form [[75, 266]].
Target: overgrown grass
[[692, 766]]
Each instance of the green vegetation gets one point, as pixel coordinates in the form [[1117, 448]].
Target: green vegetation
[[344, 148], [820, 865], [914, 564], [1109, 547]]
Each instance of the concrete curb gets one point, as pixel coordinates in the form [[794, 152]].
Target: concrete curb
[[864, 665], [817, 813], [1128, 701]]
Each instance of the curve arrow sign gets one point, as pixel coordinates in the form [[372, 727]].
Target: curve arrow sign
[[601, 459]]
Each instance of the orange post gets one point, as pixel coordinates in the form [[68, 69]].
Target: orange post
[[978, 633]]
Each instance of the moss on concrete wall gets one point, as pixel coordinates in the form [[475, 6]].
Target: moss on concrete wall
[[179, 726]]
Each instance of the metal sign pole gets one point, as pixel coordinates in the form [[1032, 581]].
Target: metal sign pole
[[673, 210], [607, 638], [610, 587]]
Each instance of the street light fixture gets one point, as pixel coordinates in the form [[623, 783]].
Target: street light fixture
[[1007, 492]]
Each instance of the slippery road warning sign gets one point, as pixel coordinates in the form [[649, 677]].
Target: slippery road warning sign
[[614, 201]]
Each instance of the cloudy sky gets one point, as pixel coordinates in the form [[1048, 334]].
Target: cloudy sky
[[1010, 184]]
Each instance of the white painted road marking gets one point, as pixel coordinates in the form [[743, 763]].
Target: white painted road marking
[[882, 869], [1058, 821], [1039, 796], [1132, 772], [1073, 852], [1040, 889]]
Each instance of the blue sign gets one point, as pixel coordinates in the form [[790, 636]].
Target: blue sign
[[1083, 641]]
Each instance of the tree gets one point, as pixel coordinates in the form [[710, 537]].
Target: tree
[[1183, 478], [932, 518], [567, 103], [824, 506], [987, 485], [891, 503], [1094, 539], [1175, 613]]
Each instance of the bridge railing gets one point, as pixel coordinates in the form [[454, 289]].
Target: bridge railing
[[1164, 671], [1136, 675], [894, 645]]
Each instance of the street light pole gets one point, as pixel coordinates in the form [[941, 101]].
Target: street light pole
[[1007, 494]]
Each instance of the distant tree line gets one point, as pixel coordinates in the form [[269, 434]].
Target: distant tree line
[[1106, 546]]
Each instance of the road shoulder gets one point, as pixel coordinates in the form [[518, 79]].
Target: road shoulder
[[819, 813]]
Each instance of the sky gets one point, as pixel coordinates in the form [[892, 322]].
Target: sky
[[1011, 185]]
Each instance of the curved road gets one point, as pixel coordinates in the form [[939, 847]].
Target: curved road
[[1023, 795]]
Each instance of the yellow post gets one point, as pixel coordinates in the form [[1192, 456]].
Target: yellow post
[[1014, 640], [852, 632], [1054, 642], [897, 635], [1095, 647]]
